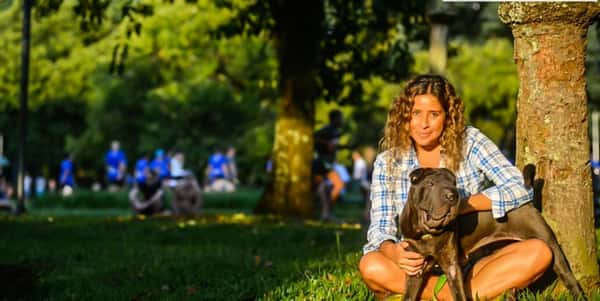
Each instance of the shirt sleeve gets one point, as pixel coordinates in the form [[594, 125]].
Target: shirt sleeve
[[383, 212], [509, 190]]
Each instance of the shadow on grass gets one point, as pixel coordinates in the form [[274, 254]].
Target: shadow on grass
[[18, 282]]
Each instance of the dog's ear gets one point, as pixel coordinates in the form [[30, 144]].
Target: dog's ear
[[416, 175], [448, 173], [529, 175]]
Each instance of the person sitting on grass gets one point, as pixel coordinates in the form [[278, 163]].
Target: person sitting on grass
[[217, 173], [425, 128], [146, 198]]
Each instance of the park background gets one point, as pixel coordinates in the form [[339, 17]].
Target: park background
[[193, 75]]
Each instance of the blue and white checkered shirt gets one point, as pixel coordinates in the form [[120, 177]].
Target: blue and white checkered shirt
[[483, 160]]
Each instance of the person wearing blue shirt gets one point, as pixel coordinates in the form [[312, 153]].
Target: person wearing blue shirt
[[217, 166], [425, 128], [218, 174], [66, 172], [160, 165], [116, 165], [141, 169]]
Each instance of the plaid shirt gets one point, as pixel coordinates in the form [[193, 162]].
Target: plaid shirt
[[483, 161]]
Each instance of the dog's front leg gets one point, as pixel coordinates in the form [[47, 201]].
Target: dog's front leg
[[449, 264], [414, 283], [413, 286]]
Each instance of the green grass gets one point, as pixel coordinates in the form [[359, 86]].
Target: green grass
[[235, 257], [106, 253], [244, 199]]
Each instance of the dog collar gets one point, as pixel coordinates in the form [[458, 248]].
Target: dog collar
[[426, 236]]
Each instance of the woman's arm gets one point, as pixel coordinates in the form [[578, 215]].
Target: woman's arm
[[383, 225], [509, 190], [476, 202]]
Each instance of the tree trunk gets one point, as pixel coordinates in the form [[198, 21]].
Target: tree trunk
[[552, 120], [438, 48], [298, 33], [289, 191]]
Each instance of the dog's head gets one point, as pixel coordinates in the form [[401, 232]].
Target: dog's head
[[433, 197]]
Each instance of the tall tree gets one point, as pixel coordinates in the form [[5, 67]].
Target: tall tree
[[299, 30], [552, 120], [325, 50]]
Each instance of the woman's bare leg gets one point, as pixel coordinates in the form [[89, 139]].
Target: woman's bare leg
[[514, 266]]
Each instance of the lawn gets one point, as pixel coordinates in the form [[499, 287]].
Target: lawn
[[58, 253], [62, 250]]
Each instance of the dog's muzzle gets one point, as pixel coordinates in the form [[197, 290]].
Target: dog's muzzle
[[442, 210]]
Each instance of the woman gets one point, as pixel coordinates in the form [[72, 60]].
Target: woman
[[425, 128]]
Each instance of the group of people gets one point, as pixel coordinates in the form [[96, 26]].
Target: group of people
[[151, 175], [220, 174]]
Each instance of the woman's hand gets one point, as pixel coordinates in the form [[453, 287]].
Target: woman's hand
[[411, 262]]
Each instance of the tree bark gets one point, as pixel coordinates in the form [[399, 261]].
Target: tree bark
[[552, 120], [298, 34]]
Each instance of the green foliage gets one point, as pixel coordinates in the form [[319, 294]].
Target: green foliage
[[485, 77], [348, 42], [180, 89]]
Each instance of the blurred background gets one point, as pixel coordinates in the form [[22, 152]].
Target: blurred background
[[174, 75]]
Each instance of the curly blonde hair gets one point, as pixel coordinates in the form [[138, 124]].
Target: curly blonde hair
[[396, 138]]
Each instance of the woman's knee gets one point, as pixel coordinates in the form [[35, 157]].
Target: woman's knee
[[370, 266], [537, 253], [543, 251]]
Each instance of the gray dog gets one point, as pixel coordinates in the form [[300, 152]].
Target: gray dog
[[429, 224]]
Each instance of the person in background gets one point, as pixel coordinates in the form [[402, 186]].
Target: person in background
[[40, 186], [27, 184], [232, 166], [66, 179], [160, 165], [178, 172], [217, 173], [6, 192], [328, 183], [176, 164], [142, 166], [116, 166], [147, 197], [360, 174]]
